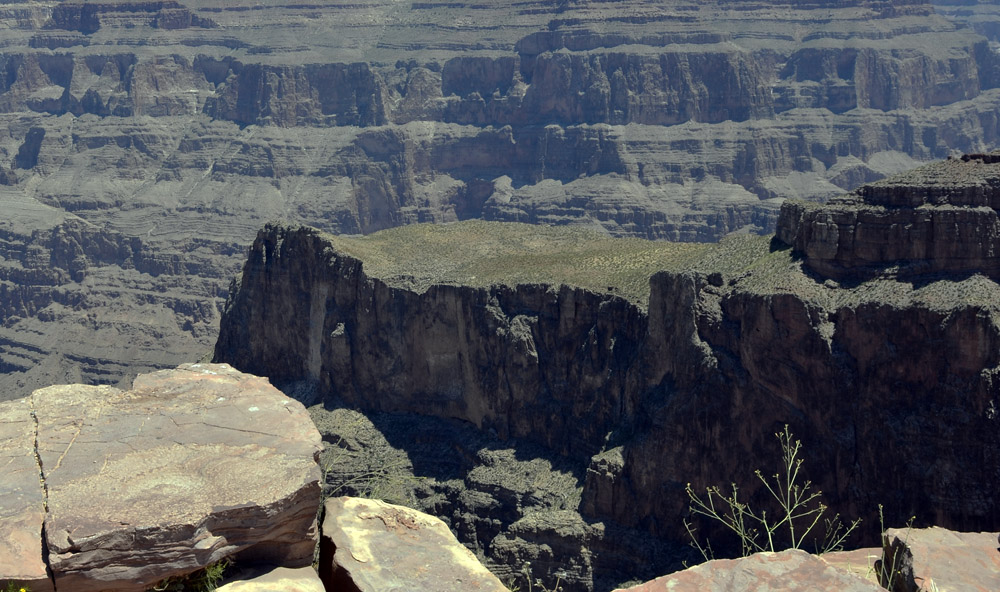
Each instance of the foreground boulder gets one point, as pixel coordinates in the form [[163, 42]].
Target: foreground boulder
[[791, 571], [190, 466], [372, 546], [926, 559]]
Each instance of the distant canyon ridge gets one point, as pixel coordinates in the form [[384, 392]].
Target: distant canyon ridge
[[148, 141]]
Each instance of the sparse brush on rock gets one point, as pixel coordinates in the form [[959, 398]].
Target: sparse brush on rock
[[203, 580], [792, 526]]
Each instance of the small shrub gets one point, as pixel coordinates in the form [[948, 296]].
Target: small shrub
[[11, 586], [535, 584], [203, 580], [800, 511]]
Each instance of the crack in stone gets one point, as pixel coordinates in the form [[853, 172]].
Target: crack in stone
[[45, 497], [212, 425]]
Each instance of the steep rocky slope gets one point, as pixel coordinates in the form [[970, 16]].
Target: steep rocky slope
[[187, 125], [640, 381]]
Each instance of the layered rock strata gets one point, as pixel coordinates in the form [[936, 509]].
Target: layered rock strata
[[644, 388], [187, 125], [940, 217], [188, 467]]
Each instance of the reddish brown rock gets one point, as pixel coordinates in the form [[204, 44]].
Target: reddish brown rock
[[22, 500], [790, 571], [372, 546], [190, 466], [931, 559], [860, 562]]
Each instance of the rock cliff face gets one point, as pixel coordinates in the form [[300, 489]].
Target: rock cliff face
[[496, 358], [942, 217], [187, 125], [888, 381]]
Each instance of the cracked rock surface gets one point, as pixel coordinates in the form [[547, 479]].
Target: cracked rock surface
[[22, 500], [189, 466]]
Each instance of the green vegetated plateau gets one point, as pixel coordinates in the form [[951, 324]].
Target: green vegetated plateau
[[480, 254]]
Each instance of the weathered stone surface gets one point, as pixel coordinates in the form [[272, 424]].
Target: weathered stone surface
[[940, 217], [929, 559], [189, 466], [280, 579], [787, 571], [22, 499], [860, 562], [372, 546]]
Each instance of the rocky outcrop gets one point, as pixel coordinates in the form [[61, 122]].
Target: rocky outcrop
[[941, 217], [925, 559], [88, 17], [787, 571], [645, 392], [188, 467], [370, 546], [495, 357]]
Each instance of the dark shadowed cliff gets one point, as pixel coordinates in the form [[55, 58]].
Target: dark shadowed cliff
[[889, 377]]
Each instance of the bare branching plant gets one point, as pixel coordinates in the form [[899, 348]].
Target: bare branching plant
[[799, 511]]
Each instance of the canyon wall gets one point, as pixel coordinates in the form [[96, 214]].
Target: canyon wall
[[188, 125], [891, 382]]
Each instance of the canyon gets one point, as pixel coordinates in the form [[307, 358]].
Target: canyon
[[438, 185], [148, 140], [551, 392]]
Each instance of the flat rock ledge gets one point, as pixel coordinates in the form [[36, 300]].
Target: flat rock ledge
[[788, 571], [112, 490], [372, 546]]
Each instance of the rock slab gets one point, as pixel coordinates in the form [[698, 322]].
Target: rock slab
[[926, 559], [189, 466], [372, 546], [791, 570]]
